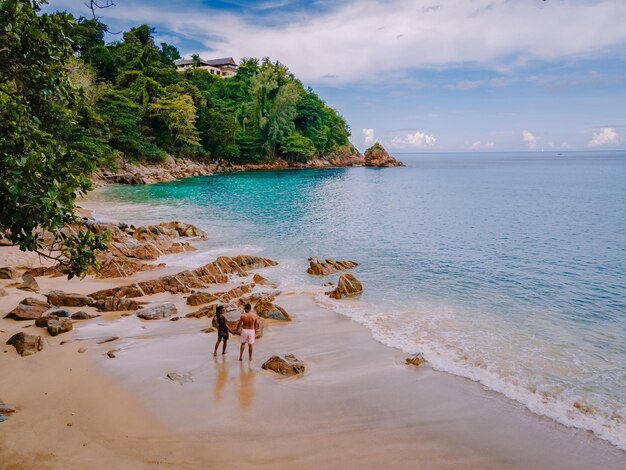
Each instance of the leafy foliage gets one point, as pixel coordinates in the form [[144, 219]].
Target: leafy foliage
[[70, 103]]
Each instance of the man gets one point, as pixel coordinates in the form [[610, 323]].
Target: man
[[222, 329], [249, 323]]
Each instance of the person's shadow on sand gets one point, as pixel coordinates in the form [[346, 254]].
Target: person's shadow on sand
[[221, 376], [246, 389]]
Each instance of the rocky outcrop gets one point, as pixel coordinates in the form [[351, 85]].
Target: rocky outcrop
[[236, 293], [28, 309], [200, 298], [376, 156], [61, 299], [216, 272], [261, 281], [416, 360], [26, 345], [5, 411], [328, 266], [29, 283], [208, 311], [348, 286], [184, 230], [158, 312], [8, 273], [287, 365], [266, 309], [113, 304]]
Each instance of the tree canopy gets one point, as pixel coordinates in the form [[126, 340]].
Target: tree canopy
[[70, 103]]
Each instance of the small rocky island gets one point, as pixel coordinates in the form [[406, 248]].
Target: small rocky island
[[376, 156]]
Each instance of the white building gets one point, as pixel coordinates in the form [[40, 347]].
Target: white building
[[225, 67]]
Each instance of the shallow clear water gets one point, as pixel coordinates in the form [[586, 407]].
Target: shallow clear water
[[509, 269]]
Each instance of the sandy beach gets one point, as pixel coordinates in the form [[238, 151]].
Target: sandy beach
[[358, 405]]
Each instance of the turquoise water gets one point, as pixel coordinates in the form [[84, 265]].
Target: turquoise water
[[509, 269]]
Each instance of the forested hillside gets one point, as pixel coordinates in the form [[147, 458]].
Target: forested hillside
[[142, 108]]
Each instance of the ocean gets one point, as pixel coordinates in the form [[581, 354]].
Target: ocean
[[505, 268]]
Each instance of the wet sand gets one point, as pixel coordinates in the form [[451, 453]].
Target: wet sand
[[357, 406]]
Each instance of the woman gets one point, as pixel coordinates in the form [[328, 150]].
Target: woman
[[222, 329]]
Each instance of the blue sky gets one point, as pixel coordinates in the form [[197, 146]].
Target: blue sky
[[425, 75]]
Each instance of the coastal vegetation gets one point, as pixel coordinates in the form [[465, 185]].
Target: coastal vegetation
[[70, 103]]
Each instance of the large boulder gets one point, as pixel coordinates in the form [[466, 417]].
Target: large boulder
[[286, 365], [200, 298], [28, 283], [61, 299], [112, 304], [25, 345], [266, 309], [347, 286], [28, 309], [158, 312], [328, 266], [376, 156], [248, 263], [8, 273]]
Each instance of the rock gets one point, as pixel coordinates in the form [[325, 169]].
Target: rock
[[184, 230], [82, 350], [249, 263], [28, 283], [158, 312], [328, 266], [347, 286], [42, 322], [199, 298], [216, 272], [83, 316], [266, 309], [8, 273], [208, 311], [236, 292], [111, 353], [416, 360], [377, 156], [5, 411], [260, 280], [108, 339], [287, 365], [28, 309], [112, 304], [61, 299], [112, 267], [180, 377], [56, 327], [26, 345], [45, 271], [174, 318], [61, 313], [210, 329], [3, 292]]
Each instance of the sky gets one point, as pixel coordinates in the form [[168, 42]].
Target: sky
[[424, 75]]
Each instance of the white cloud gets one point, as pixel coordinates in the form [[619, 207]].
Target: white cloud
[[478, 145], [368, 137], [467, 85], [375, 39], [529, 138], [605, 136], [416, 140]]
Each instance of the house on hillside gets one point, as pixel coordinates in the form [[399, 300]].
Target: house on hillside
[[225, 67]]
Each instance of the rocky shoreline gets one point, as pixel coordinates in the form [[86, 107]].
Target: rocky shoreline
[[172, 169]]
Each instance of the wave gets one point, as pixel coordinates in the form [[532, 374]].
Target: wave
[[562, 404]]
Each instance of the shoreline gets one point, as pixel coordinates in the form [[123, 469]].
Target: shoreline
[[355, 391]]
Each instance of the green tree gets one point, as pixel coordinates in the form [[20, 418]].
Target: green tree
[[179, 115], [41, 171]]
